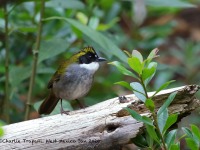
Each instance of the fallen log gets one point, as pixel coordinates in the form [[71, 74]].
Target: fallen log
[[105, 125]]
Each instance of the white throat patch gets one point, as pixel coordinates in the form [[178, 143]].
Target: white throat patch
[[92, 66]]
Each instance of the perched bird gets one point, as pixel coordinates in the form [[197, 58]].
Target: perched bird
[[72, 80]]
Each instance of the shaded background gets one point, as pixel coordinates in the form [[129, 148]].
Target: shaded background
[[172, 26]]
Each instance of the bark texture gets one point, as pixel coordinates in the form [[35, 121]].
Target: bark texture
[[105, 125]]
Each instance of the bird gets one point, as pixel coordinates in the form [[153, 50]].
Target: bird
[[72, 80]]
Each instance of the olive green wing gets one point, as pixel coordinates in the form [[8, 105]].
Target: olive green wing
[[55, 78], [57, 75]]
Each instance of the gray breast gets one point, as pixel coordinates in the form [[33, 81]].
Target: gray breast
[[74, 84]]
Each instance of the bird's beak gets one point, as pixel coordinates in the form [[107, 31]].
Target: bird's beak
[[101, 59]]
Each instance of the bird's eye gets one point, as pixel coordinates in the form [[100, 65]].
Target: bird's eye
[[90, 56]]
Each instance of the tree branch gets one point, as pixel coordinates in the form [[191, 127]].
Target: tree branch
[[105, 125]]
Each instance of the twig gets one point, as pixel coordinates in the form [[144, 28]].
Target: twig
[[157, 127], [154, 116], [35, 60]]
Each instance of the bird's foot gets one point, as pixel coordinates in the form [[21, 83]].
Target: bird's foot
[[62, 111]]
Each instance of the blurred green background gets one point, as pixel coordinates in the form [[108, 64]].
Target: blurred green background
[[110, 26]]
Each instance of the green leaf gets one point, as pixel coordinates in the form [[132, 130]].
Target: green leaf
[[138, 91], [96, 38], [188, 132], [150, 104], [101, 42], [68, 4], [22, 74], [151, 131], [149, 139], [2, 123], [167, 103], [148, 72], [170, 121], [82, 18], [27, 29], [135, 64], [124, 84], [191, 144], [1, 131], [147, 119], [163, 86], [140, 141], [52, 48], [150, 65], [110, 24], [169, 3], [195, 131], [152, 55], [138, 117], [170, 138], [137, 54], [127, 53], [93, 22], [122, 69], [175, 147], [162, 118], [45, 70]]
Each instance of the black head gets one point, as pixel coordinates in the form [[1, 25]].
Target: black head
[[88, 55]]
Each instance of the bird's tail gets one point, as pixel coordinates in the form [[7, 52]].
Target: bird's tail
[[48, 104]]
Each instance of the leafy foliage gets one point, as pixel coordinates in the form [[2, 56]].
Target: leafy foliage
[[108, 26], [159, 125], [1, 131], [193, 137]]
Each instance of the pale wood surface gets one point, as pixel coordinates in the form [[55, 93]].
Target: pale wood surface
[[102, 126]]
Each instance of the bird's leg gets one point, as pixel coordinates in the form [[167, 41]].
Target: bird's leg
[[62, 111], [80, 104]]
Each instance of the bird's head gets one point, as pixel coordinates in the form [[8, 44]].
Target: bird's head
[[88, 55], [87, 58]]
